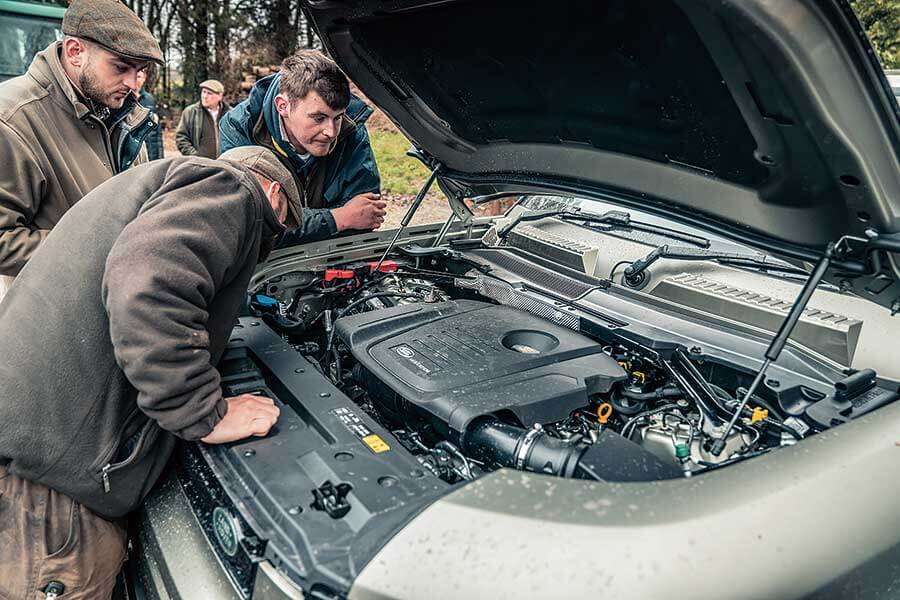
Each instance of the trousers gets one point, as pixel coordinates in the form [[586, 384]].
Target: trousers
[[49, 542]]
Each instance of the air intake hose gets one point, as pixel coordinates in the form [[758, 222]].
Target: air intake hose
[[496, 443], [610, 458]]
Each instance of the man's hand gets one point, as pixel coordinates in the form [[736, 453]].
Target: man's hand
[[247, 415], [365, 211]]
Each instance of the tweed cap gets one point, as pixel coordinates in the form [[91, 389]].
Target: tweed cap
[[112, 25], [263, 161], [213, 85]]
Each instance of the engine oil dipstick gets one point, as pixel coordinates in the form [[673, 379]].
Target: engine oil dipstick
[[604, 412]]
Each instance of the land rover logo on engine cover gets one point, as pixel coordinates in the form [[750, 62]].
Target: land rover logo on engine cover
[[405, 351], [226, 531]]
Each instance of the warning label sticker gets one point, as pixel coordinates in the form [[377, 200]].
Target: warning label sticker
[[355, 425]]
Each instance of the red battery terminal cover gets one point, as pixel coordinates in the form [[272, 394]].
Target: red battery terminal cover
[[387, 266], [333, 274]]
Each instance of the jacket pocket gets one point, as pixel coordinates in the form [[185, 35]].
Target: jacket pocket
[[134, 447], [132, 423]]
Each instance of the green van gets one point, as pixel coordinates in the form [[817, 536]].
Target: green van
[[26, 28]]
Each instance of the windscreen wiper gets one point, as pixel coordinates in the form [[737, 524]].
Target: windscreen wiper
[[543, 214], [635, 273], [614, 219]]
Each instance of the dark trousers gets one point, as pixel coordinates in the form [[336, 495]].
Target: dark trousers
[[46, 536]]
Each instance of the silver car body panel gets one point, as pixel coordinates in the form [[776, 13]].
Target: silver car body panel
[[784, 525]]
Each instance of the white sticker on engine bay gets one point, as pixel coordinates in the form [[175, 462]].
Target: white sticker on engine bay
[[355, 425]]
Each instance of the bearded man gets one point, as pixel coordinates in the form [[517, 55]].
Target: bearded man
[[70, 123]]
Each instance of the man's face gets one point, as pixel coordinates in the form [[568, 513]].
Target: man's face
[[210, 99], [107, 78], [311, 124]]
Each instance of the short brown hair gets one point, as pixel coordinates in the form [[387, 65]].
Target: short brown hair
[[310, 70]]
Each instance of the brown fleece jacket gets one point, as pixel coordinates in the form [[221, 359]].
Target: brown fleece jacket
[[111, 331], [53, 151]]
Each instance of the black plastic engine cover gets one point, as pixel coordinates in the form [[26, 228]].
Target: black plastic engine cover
[[457, 361]]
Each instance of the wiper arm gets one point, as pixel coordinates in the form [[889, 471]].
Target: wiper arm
[[674, 234], [542, 214], [635, 275], [614, 219]]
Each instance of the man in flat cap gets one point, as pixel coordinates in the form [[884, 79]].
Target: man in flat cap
[[70, 123], [198, 130], [137, 291]]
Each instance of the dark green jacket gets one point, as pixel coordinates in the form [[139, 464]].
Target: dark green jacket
[[190, 136], [111, 331], [53, 151]]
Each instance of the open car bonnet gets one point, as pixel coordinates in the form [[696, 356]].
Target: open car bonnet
[[770, 121]]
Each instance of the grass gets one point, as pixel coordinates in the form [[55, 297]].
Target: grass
[[400, 174]]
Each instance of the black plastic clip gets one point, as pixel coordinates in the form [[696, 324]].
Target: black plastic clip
[[53, 590], [332, 499]]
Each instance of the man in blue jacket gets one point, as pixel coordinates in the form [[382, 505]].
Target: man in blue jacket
[[153, 141], [307, 115]]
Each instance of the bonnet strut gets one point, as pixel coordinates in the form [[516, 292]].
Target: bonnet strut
[[780, 339], [411, 211]]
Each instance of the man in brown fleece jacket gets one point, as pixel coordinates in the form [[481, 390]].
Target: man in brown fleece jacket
[[110, 336], [70, 123]]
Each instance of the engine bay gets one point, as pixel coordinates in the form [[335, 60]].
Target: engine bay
[[449, 351]]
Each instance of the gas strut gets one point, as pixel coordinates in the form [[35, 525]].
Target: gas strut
[[780, 339], [409, 215]]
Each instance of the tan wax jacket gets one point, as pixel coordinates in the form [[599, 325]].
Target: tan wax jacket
[[53, 150]]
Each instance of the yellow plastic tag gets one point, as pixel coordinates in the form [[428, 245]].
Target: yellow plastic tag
[[375, 443], [759, 414]]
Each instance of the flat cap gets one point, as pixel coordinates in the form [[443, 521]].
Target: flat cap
[[264, 162], [112, 25], [213, 85]]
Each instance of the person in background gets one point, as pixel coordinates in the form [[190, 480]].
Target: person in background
[[70, 123], [153, 141], [198, 130], [308, 116]]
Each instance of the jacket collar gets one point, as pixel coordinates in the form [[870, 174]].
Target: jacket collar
[[47, 70]]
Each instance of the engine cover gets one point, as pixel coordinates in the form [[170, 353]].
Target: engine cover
[[459, 360]]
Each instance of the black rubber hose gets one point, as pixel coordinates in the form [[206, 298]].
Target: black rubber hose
[[627, 409], [337, 366], [639, 399], [785, 428], [663, 393], [493, 442]]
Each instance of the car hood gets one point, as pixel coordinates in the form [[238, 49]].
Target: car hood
[[770, 121]]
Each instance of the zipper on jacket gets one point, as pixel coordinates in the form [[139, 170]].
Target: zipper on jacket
[[112, 467], [107, 143]]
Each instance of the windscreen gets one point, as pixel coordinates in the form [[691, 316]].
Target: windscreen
[[21, 37]]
